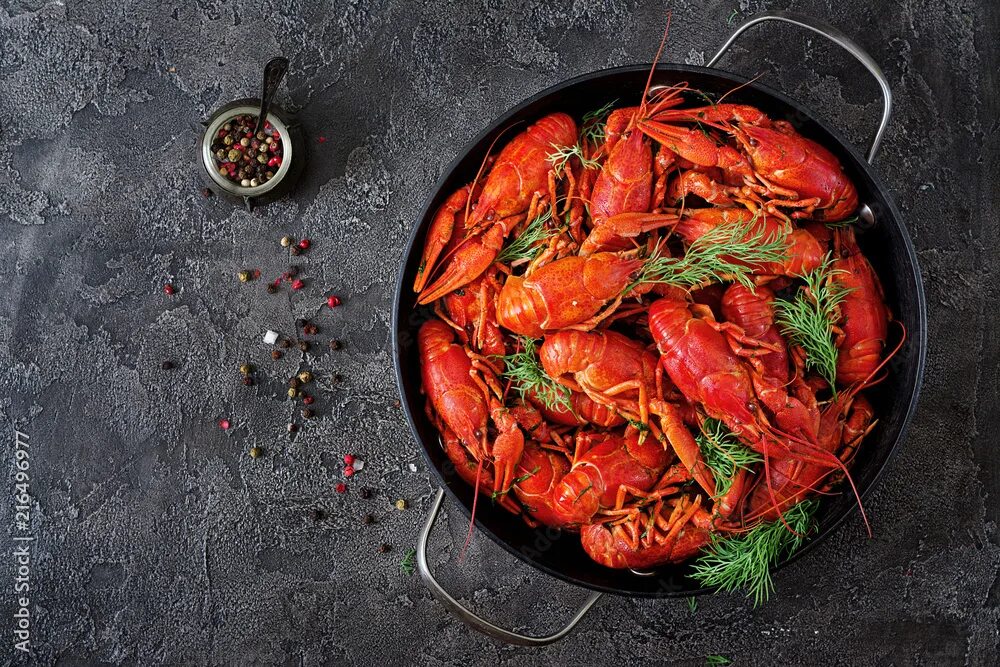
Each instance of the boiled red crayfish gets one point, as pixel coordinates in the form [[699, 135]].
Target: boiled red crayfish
[[571, 387]]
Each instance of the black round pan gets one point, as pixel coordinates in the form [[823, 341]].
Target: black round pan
[[886, 243]]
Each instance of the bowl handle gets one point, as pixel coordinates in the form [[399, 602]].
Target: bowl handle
[[838, 38], [469, 618]]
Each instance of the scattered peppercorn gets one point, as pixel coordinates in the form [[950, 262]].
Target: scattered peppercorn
[[297, 284], [292, 428], [348, 459], [334, 344], [304, 346], [206, 192], [292, 392], [224, 424], [168, 289], [296, 250], [307, 413], [285, 343], [341, 488], [246, 369], [368, 519], [247, 380], [349, 471], [276, 354], [286, 241], [400, 504], [256, 452], [244, 276], [332, 301], [397, 404], [308, 400], [385, 548], [294, 382], [310, 329], [316, 514], [271, 288], [292, 272], [366, 493], [336, 378], [305, 377], [167, 365], [304, 244]]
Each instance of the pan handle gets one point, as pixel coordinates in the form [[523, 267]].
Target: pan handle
[[838, 38], [469, 618]]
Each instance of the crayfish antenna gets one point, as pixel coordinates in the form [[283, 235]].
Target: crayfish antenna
[[472, 517], [656, 60]]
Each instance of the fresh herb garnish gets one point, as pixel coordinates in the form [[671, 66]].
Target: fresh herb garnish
[[809, 317], [692, 604], [717, 660], [744, 561], [839, 224], [530, 241], [592, 127], [731, 251], [517, 480], [409, 561], [526, 371], [723, 454], [562, 155]]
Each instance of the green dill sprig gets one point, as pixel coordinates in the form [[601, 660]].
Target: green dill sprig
[[562, 155], [731, 251], [525, 370], [809, 317], [593, 125], [723, 454], [744, 561], [692, 604], [409, 562], [529, 242], [517, 480], [717, 660], [840, 224]]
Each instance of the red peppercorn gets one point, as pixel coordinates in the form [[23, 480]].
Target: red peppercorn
[[298, 284], [348, 459], [341, 488], [224, 424], [348, 471], [304, 244], [308, 400], [332, 301], [168, 289], [321, 140], [267, 125], [273, 162]]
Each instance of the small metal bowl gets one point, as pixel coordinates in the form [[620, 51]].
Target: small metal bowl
[[293, 154]]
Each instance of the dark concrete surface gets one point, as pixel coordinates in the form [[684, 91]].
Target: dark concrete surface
[[160, 541]]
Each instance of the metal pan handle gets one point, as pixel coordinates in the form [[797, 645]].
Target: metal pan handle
[[469, 618], [838, 38]]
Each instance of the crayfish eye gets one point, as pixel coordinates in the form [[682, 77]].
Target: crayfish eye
[[753, 142]]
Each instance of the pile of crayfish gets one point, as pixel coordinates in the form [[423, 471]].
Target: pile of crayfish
[[605, 353]]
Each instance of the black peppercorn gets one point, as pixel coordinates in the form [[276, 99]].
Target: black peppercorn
[[334, 344], [292, 428], [307, 413], [316, 514], [366, 493], [304, 346], [301, 323], [248, 381], [271, 288], [276, 354], [167, 365], [368, 519], [294, 383], [337, 378], [206, 192], [385, 548], [285, 343], [296, 250]]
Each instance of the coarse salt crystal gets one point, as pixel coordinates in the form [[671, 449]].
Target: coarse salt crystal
[[413, 467], [358, 464], [271, 337]]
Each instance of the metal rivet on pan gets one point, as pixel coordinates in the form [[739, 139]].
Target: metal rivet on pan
[[866, 217]]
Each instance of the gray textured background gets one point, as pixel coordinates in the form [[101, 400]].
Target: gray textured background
[[159, 540]]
